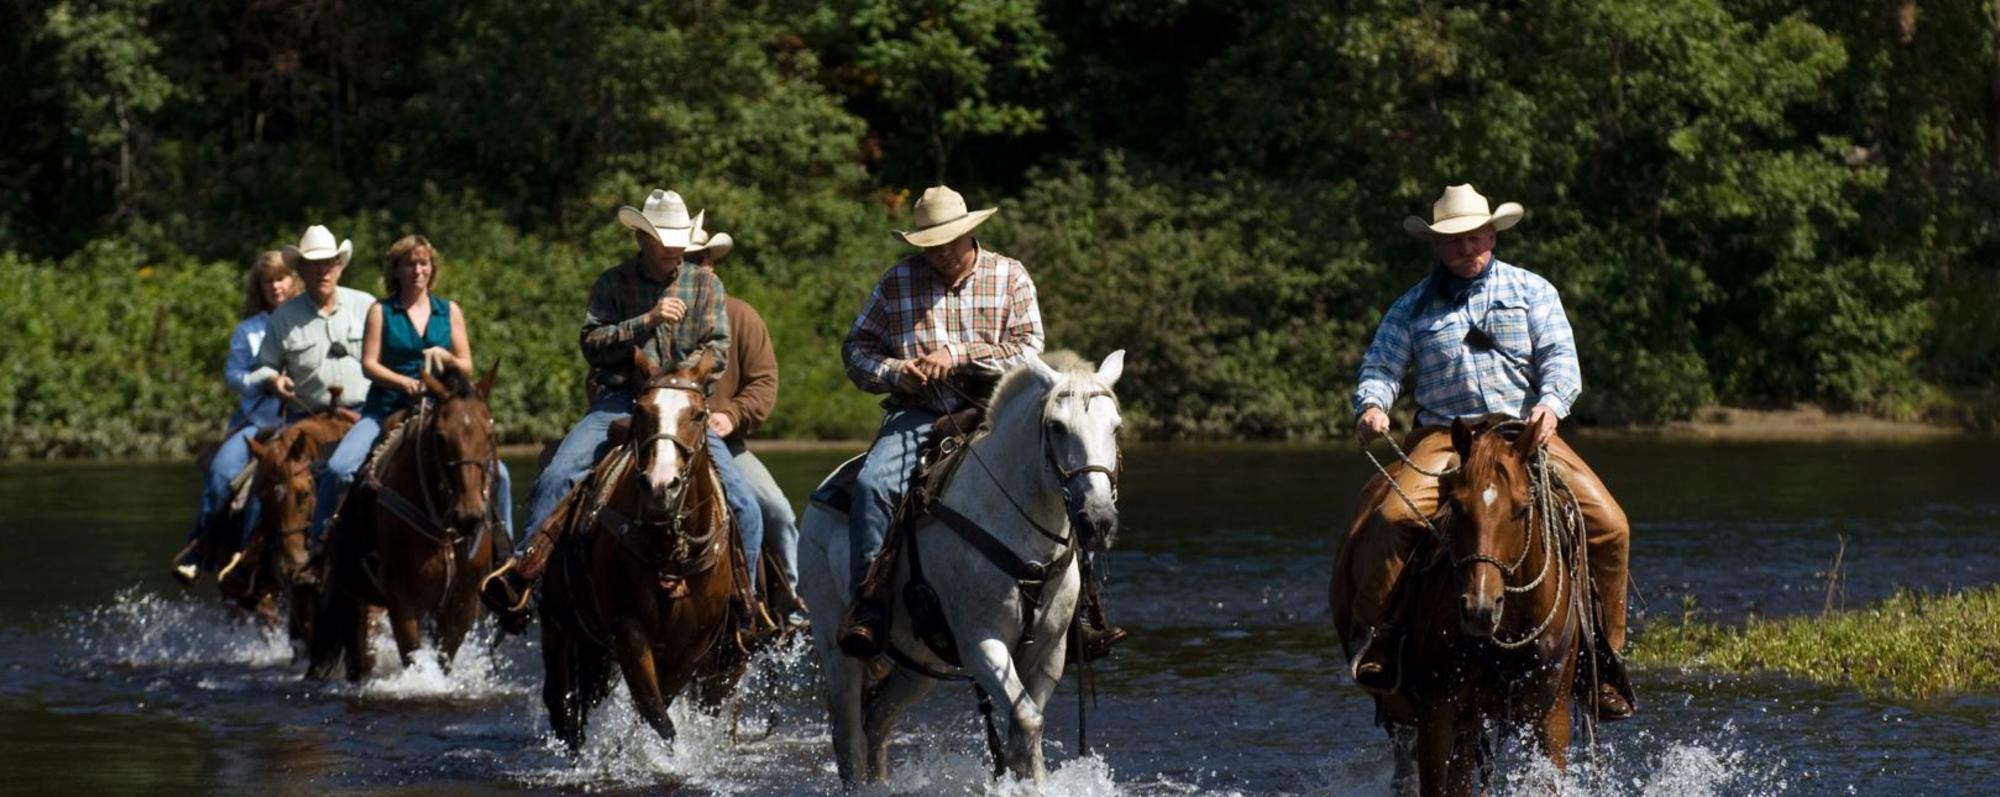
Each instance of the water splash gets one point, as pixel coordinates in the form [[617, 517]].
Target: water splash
[[143, 629], [477, 672], [1703, 765]]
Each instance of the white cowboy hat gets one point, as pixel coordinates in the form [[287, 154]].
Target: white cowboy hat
[[665, 217], [941, 218], [317, 245], [717, 247], [1461, 209]]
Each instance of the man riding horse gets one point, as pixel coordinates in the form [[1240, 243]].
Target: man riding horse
[[1486, 338], [935, 321], [656, 305]]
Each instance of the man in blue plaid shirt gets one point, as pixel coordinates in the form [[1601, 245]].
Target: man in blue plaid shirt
[[1487, 339]]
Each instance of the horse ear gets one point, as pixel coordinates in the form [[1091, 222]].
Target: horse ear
[[1525, 444], [302, 448], [704, 365], [643, 364], [1113, 365], [486, 382], [256, 448], [1461, 438], [1047, 373], [436, 386]]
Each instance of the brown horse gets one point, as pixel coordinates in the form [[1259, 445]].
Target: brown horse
[[1495, 606], [645, 576], [418, 542], [273, 560]]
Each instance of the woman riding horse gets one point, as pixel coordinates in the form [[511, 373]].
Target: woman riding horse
[[266, 285], [410, 334]]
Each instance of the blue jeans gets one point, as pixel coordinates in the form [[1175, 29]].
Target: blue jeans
[[229, 460], [742, 500], [580, 450], [884, 478], [347, 460], [340, 468], [781, 526]]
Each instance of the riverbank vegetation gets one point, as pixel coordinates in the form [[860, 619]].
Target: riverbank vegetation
[[1912, 645], [1744, 202]]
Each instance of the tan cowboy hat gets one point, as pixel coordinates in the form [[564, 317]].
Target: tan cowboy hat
[[941, 218], [317, 245], [665, 217], [717, 247], [1461, 209]]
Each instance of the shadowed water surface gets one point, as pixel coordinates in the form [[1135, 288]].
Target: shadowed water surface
[[114, 680]]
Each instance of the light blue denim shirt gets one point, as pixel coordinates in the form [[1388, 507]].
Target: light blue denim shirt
[[1532, 360]]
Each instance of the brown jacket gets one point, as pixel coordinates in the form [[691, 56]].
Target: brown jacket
[[749, 389]]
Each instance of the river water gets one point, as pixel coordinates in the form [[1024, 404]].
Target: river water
[[115, 680]]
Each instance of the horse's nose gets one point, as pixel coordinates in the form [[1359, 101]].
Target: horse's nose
[[1478, 616]]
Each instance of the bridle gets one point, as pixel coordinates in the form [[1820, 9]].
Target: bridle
[[1066, 474], [687, 451], [1063, 473]]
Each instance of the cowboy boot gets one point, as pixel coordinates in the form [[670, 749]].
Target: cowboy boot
[[1615, 699], [507, 594], [864, 633], [1094, 634], [1377, 668]]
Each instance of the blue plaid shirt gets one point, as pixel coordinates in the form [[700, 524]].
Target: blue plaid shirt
[[1532, 359]]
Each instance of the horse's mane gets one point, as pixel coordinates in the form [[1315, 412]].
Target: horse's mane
[[1020, 381]]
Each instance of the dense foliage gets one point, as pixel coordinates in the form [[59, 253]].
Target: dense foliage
[[1743, 201]]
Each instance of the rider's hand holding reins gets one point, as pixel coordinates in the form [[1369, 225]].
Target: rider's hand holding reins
[[281, 386], [1373, 423], [1543, 421]]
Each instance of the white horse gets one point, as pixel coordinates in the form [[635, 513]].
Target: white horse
[[1047, 455]]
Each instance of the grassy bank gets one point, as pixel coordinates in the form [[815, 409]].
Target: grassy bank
[[1912, 645]]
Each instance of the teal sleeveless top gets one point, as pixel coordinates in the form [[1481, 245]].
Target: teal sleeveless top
[[403, 350]]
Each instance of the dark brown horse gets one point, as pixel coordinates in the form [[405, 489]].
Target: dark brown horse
[[273, 560], [1494, 601], [645, 576], [418, 542]]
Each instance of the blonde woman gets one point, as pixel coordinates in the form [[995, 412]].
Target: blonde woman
[[266, 285]]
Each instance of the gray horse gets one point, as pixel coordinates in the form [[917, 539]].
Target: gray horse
[[1048, 454]]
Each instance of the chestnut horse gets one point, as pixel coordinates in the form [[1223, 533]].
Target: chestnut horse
[[645, 575], [418, 542], [1494, 601], [273, 560]]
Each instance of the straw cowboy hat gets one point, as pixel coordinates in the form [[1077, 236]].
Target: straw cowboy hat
[[1461, 209], [941, 218], [317, 245], [717, 247], [665, 218]]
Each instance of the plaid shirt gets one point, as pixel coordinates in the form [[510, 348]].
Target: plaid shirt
[[1531, 361], [989, 317], [616, 322]]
